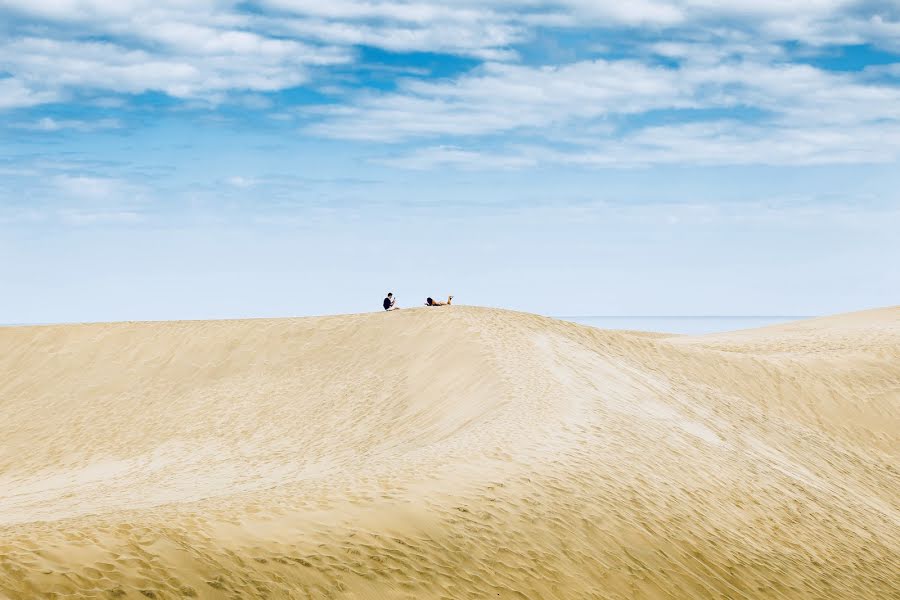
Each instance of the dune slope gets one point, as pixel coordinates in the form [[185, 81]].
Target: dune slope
[[449, 453]]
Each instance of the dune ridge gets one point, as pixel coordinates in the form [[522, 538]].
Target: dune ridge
[[458, 452]]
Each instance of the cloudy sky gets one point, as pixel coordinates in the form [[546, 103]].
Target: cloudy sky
[[212, 158]]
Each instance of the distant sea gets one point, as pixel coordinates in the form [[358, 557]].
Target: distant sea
[[685, 325]]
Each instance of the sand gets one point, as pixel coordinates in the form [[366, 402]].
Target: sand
[[452, 452]]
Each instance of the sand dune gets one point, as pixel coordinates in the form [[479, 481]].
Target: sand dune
[[449, 453]]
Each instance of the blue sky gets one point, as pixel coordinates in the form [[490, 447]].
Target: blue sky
[[169, 159]]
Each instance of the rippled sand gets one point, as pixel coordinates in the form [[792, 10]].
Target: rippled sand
[[449, 453]]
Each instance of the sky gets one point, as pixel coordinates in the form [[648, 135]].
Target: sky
[[174, 159]]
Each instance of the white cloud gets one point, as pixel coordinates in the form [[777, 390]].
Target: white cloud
[[72, 193], [809, 116], [449, 156], [85, 187], [205, 49], [462, 28], [87, 10], [211, 47], [49, 124], [15, 94], [94, 217], [636, 12], [240, 182], [735, 143], [210, 51], [892, 70], [504, 97], [251, 101], [106, 66], [487, 40], [403, 11]]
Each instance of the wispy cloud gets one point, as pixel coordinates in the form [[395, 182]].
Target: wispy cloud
[[207, 48], [94, 217], [502, 97], [667, 80], [94, 188], [220, 66], [449, 156], [240, 182], [14, 93], [74, 193], [49, 124], [735, 143], [606, 110]]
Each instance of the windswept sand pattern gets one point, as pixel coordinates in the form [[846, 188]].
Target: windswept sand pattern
[[457, 452]]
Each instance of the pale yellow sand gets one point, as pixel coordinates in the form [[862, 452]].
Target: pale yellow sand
[[449, 453]]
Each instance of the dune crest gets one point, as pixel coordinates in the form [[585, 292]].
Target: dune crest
[[458, 452]]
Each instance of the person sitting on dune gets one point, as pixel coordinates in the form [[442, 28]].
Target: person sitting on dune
[[389, 301], [430, 302]]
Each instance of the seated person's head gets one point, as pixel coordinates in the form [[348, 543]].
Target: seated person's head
[[429, 301]]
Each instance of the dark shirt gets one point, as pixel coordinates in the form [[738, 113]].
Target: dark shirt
[[387, 303]]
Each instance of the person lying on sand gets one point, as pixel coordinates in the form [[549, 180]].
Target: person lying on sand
[[430, 302], [389, 302]]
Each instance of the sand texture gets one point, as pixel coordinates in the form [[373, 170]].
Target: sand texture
[[451, 452]]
